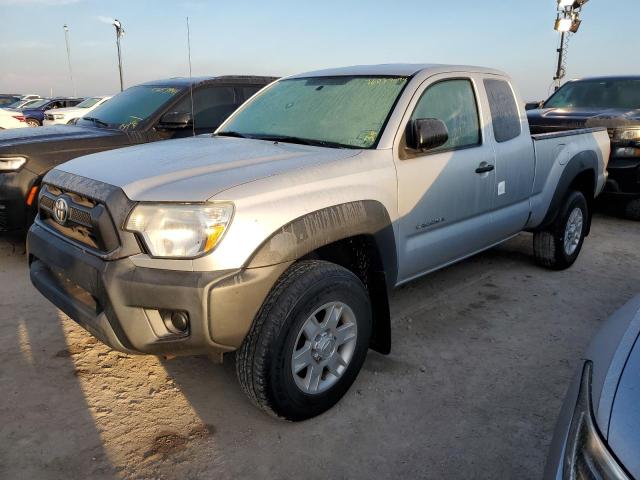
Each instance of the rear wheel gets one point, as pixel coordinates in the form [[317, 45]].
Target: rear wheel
[[32, 122], [308, 341], [632, 210], [558, 247]]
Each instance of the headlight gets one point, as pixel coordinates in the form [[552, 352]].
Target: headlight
[[628, 152], [10, 164], [586, 454], [58, 116], [633, 134], [626, 135], [180, 230]]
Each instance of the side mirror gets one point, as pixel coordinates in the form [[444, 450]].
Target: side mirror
[[426, 134], [533, 105], [175, 120]]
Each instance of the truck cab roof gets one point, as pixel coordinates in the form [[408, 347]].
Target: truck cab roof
[[395, 69], [181, 82]]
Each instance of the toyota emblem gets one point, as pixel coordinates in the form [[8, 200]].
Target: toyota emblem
[[61, 211]]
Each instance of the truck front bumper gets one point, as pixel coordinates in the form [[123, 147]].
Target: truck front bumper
[[624, 178], [126, 306]]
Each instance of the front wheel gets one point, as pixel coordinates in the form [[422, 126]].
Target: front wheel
[[308, 342], [32, 122], [558, 247], [632, 209]]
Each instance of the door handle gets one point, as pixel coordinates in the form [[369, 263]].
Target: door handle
[[484, 167]]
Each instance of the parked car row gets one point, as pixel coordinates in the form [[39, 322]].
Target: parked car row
[[34, 112]]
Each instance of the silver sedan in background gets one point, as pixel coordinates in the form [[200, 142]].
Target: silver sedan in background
[[598, 432]]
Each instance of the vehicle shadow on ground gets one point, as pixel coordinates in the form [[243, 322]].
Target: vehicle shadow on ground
[[47, 429], [215, 395]]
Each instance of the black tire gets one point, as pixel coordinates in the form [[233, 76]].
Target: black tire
[[32, 122], [632, 209], [549, 245], [263, 362]]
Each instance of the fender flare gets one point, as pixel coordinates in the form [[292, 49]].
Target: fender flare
[[582, 162], [320, 228]]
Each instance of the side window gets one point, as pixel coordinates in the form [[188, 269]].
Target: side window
[[504, 110], [250, 90], [56, 104], [453, 102], [211, 106]]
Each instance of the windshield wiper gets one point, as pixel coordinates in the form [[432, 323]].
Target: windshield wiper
[[302, 141], [232, 134], [96, 121]]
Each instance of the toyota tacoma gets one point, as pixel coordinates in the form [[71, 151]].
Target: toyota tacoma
[[280, 235]]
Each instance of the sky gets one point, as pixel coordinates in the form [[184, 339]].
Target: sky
[[281, 37]]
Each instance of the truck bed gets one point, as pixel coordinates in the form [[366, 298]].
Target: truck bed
[[553, 151]]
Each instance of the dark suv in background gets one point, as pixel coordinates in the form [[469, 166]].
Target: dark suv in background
[[611, 102], [149, 112]]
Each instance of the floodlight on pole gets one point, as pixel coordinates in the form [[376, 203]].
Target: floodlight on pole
[[119, 35], [567, 22], [66, 40]]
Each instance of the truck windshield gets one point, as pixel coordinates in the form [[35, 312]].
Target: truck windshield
[[623, 94], [129, 108], [342, 112]]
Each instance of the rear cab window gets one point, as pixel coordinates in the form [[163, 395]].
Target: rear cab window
[[505, 117]]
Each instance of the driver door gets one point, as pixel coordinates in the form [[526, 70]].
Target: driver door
[[445, 194]]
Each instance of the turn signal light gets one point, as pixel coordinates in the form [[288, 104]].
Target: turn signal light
[[32, 195]]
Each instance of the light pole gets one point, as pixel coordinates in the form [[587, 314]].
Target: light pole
[[119, 35], [66, 39], [567, 22]]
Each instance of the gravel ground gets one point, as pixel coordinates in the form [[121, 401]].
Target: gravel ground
[[482, 353]]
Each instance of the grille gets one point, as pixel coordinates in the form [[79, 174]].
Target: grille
[[4, 217], [48, 116], [80, 216], [88, 221]]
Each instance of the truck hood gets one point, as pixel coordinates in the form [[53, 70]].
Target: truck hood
[[21, 137], [195, 169], [566, 118], [45, 147]]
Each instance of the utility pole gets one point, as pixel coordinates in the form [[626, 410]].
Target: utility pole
[[66, 39], [567, 22], [119, 35]]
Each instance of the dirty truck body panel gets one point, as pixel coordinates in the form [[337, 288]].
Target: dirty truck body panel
[[412, 211]]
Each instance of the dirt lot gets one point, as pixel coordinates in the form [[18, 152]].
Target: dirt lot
[[481, 357]]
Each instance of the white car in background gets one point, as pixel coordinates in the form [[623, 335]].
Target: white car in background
[[61, 116], [11, 119]]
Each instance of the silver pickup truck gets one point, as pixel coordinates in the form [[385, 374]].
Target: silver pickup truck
[[280, 236]]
